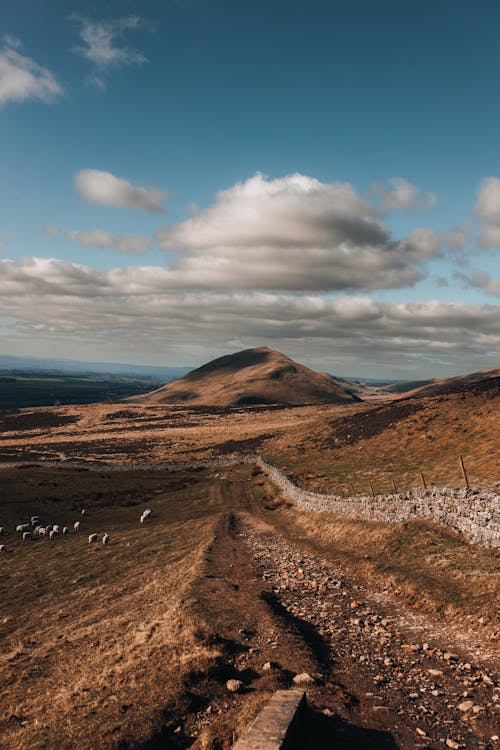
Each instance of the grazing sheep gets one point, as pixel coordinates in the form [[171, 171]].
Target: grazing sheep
[[40, 531], [65, 530], [93, 538], [26, 536], [22, 527], [53, 534], [76, 526], [56, 527], [146, 515], [105, 539], [36, 520], [3, 548], [84, 510]]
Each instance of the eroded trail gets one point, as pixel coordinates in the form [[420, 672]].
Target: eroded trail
[[376, 682]]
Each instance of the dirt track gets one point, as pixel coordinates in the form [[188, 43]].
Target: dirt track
[[374, 684]]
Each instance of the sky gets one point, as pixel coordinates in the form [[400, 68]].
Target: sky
[[182, 179]]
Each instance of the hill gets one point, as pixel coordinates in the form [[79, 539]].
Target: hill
[[473, 381], [253, 376]]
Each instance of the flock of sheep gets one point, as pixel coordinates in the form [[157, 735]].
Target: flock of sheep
[[35, 530]]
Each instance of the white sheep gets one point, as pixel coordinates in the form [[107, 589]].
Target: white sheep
[[65, 530], [76, 526], [41, 531], [146, 514], [93, 538], [26, 536], [56, 527], [53, 534], [36, 520], [22, 527], [84, 510], [3, 548], [105, 539]]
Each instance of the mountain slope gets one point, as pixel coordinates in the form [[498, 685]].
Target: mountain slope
[[253, 376], [470, 382]]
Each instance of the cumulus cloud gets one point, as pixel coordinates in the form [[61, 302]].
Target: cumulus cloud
[[138, 307], [103, 48], [398, 193], [22, 78], [297, 233], [102, 238], [105, 189]]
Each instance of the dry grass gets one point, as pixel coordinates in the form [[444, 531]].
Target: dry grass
[[327, 456], [95, 640]]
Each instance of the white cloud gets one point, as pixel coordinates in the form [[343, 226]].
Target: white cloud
[[22, 78], [102, 46], [296, 233], [137, 306], [488, 200], [487, 208], [105, 189], [398, 193]]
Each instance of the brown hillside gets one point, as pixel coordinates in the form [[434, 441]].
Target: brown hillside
[[474, 382], [253, 376]]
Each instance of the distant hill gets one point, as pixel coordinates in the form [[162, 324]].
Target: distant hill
[[10, 363], [470, 382], [253, 376]]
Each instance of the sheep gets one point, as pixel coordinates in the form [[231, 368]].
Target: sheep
[[53, 534], [40, 531], [146, 514], [84, 510], [26, 536], [93, 538], [56, 527], [105, 539], [76, 527], [48, 528], [36, 520], [22, 527], [65, 530], [3, 548]]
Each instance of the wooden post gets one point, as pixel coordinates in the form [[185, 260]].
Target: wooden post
[[394, 485], [464, 472], [371, 487], [352, 488], [423, 480]]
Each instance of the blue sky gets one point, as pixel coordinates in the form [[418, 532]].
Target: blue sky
[[121, 122]]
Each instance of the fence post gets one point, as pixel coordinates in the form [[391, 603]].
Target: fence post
[[423, 480], [464, 472], [352, 488], [371, 487], [395, 487]]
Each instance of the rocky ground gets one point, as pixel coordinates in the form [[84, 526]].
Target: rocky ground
[[424, 688]]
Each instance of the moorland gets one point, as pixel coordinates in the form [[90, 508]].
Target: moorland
[[131, 644]]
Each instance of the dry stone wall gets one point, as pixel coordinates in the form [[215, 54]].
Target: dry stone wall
[[476, 514]]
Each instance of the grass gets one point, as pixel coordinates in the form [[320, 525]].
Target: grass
[[95, 636], [428, 440]]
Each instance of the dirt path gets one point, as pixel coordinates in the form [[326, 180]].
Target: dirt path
[[378, 679]]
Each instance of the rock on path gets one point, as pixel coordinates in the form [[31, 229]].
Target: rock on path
[[449, 701]]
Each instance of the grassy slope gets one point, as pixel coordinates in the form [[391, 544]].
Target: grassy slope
[[91, 635], [397, 441]]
